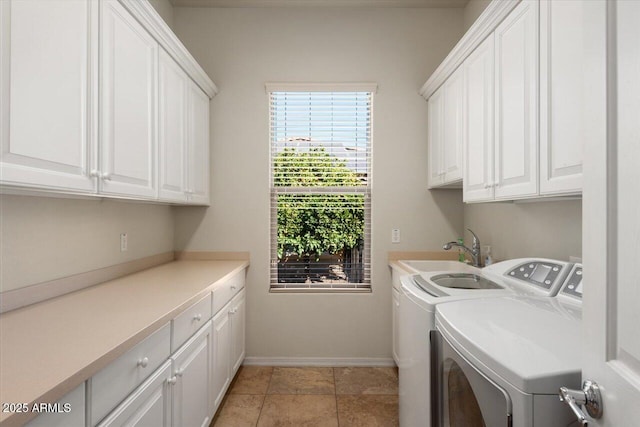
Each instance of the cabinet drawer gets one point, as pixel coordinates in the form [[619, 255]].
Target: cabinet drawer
[[111, 385], [189, 321], [147, 406], [224, 292]]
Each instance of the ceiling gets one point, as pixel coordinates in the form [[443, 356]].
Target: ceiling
[[319, 3]]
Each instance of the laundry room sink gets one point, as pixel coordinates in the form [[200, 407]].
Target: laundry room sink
[[463, 281], [418, 266]]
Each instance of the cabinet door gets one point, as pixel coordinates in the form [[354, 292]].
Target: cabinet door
[[220, 371], [395, 305], [516, 157], [453, 127], [172, 131], [198, 148], [436, 135], [148, 405], [562, 95], [479, 125], [48, 69], [192, 390], [128, 113], [237, 317], [72, 403]]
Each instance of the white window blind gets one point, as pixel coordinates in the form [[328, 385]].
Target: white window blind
[[320, 190]]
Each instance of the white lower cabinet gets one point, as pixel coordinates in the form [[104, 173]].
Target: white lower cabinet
[[237, 314], [395, 305], [149, 405], [191, 385], [229, 345], [151, 385], [67, 412], [221, 374]]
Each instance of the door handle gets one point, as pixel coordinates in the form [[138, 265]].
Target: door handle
[[589, 397]]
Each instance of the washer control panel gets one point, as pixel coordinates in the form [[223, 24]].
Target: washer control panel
[[573, 285], [539, 273]]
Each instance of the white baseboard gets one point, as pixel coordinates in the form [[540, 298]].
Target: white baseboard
[[319, 361]]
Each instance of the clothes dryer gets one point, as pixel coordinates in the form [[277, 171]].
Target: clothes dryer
[[421, 293], [501, 361]]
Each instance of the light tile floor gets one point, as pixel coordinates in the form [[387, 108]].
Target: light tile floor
[[311, 397]]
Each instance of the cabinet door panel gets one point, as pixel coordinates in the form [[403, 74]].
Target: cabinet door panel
[[172, 132], [198, 165], [516, 158], [128, 94], [191, 394], [220, 370], [478, 123], [453, 128], [47, 69], [146, 406], [74, 418], [436, 135], [562, 95], [237, 331]]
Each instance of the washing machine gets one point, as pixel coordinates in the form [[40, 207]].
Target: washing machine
[[421, 293], [500, 361]]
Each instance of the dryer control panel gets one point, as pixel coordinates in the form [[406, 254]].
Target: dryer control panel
[[573, 285], [539, 273]]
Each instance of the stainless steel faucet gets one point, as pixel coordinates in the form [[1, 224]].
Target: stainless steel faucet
[[474, 251]]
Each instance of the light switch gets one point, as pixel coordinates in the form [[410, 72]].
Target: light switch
[[395, 235], [124, 242]]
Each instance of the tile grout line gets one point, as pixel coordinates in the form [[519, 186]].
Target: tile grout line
[[264, 398], [335, 390]]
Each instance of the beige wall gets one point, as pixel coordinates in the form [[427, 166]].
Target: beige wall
[[472, 10], [164, 9], [49, 238], [550, 229], [241, 49]]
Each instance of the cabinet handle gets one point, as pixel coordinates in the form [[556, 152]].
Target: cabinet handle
[[144, 362], [179, 372], [94, 174], [233, 287], [197, 317], [106, 176], [172, 380], [233, 311]]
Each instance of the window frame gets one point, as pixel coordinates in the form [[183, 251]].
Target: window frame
[[366, 190]]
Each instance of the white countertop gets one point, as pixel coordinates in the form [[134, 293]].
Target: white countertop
[[48, 349]]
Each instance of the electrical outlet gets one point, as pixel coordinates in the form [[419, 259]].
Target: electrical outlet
[[395, 235], [124, 242]]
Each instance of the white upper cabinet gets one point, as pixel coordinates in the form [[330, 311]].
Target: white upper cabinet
[[445, 133], [479, 123], [562, 95], [452, 149], [436, 137], [48, 69], [516, 74], [128, 104], [183, 136], [172, 128], [100, 98], [198, 146]]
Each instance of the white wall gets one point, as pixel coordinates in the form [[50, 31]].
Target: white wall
[[551, 229], [165, 10], [241, 49], [49, 238], [472, 10]]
